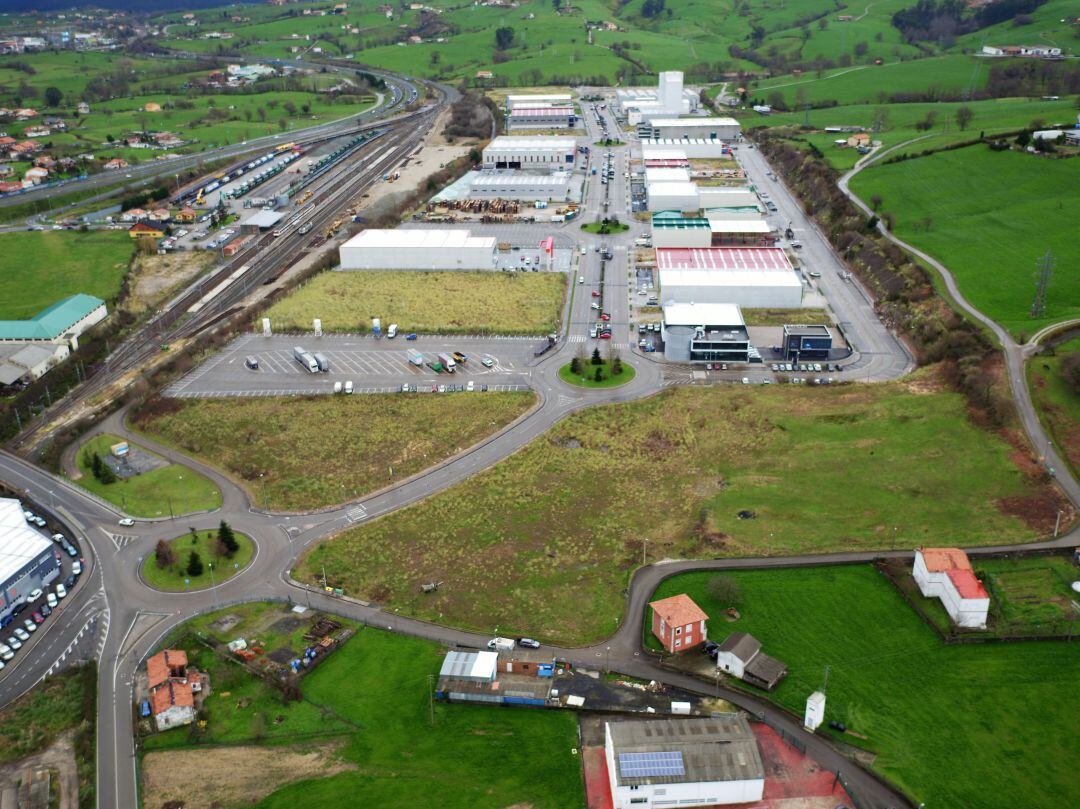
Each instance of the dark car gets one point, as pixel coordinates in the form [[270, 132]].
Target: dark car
[[69, 582], [18, 608], [528, 643], [46, 609], [709, 647]]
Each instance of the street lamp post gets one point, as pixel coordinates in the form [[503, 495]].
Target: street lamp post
[[213, 584], [644, 543]]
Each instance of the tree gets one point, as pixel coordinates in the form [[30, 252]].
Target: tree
[[290, 108], [504, 37], [163, 554], [227, 539], [599, 375], [725, 590], [880, 121], [575, 366], [652, 8], [616, 366], [875, 202], [596, 358], [194, 565], [53, 97], [107, 474], [96, 465], [556, 4], [1024, 138], [963, 117], [861, 48]]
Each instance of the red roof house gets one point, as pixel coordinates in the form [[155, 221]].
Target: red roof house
[[678, 622], [946, 573]]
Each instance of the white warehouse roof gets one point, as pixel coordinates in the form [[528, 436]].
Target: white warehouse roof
[[470, 665], [519, 178], [666, 175], [538, 100], [19, 543], [533, 143], [657, 153], [419, 238], [739, 225], [691, 121], [703, 314], [686, 189], [729, 278]]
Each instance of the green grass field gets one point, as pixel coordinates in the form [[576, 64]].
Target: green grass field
[[255, 440], [543, 543], [40, 268], [992, 217], [1057, 403], [993, 712], [372, 695], [172, 489], [1034, 590], [445, 302], [175, 578], [587, 379]]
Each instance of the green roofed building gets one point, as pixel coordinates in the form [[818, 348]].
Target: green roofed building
[[64, 321], [680, 231]]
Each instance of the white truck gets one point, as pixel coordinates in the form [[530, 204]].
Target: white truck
[[415, 357], [448, 363], [309, 363]]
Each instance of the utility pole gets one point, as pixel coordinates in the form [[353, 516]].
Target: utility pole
[[431, 701], [644, 544], [1042, 282]]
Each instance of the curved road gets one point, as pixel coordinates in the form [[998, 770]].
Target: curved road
[[135, 618]]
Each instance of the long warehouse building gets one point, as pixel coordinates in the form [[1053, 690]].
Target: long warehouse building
[[752, 277], [402, 249], [691, 128], [530, 152], [27, 561]]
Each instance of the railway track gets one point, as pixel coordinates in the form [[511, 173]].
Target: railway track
[[194, 310]]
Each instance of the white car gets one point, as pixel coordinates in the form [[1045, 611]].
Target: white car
[[61, 591], [50, 599], [34, 595], [5, 652], [581, 279], [126, 521], [471, 386], [14, 642], [487, 361], [30, 625], [21, 634], [348, 386], [595, 306]]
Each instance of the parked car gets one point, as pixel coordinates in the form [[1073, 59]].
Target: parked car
[[38, 618], [30, 625], [487, 361], [46, 610], [61, 591], [14, 642], [34, 595], [21, 634], [348, 386], [69, 582], [528, 643], [5, 652], [501, 644], [50, 599]]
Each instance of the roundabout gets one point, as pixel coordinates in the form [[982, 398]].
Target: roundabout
[[195, 561], [592, 374]]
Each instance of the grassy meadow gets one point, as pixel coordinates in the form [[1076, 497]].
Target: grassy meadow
[[991, 217], [175, 578], [992, 711], [1057, 403], [543, 542], [254, 440], [172, 489], [42, 267], [370, 698], [444, 302]]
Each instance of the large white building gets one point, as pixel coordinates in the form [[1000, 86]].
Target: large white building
[[680, 231], [946, 574], [554, 187], [705, 332], [27, 561], [418, 249], [669, 98], [534, 100], [690, 147], [530, 152], [667, 174], [683, 762], [691, 128], [541, 118], [673, 196], [752, 277]]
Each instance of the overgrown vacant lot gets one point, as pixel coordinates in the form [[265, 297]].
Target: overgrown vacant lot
[[448, 302], [989, 217], [40, 268], [317, 451], [1057, 401], [953, 725], [543, 543]]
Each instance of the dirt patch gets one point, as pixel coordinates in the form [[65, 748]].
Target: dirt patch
[[225, 623], [1039, 510], [59, 758], [230, 776], [153, 276]]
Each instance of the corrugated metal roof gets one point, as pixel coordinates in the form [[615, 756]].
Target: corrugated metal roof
[[19, 543], [50, 323]]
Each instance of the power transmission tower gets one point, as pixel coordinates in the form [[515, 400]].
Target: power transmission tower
[[1042, 283]]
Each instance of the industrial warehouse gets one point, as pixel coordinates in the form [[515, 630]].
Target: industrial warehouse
[[27, 561], [529, 152], [706, 332], [403, 249], [541, 118], [690, 129], [752, 277], [669, 98]]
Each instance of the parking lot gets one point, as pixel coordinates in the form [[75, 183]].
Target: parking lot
[[372, 365]]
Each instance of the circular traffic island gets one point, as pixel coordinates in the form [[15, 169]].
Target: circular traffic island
[[589, 373], [196, 561]]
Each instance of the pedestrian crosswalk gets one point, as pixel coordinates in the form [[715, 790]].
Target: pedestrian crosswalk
[[576, 338], [356, 514]]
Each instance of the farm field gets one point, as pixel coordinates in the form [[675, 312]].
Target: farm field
[[254, 440], [380, 681], [897, 687], [1057, 403], [563, 519], [175, 577], [451, 302], [42, 267], [169, 489], [992, 216]]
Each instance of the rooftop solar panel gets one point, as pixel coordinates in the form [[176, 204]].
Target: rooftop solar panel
[[642, 765]]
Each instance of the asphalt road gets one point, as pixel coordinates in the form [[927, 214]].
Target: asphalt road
[[132, 618]]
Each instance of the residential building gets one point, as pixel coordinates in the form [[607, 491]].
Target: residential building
[[144, 230], [858, 139], [27, 561], [653, 763], [706, 332], [36, 176], [740, 655], [678, 623], [403, 249], [116, 163], [946, 574], [173, 685]]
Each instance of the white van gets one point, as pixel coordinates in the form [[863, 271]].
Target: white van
[[501, 644], [391, 332], [337, 387], [348, 386]]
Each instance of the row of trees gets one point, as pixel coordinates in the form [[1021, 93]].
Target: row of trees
[[101, 471]]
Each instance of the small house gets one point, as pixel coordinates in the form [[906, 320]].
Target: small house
[[740, 655], [172, 686], [152, 106], [116, 163], [946, 574], [678, 622], [143, 230], [36, 175], [186, 215], [858, 139]]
